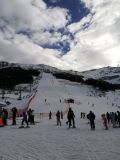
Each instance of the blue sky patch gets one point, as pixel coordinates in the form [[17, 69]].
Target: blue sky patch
[[64, 47], [25, 32], [76, 8]]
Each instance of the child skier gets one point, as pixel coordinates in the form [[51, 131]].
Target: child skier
[[105, 122]]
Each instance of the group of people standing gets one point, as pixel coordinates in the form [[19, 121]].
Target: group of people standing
[[4, 116], [113, 118], [59, 116], [27, 117], [70, 116]]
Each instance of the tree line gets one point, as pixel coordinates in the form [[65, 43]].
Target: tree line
[[97, 83], [12, 76]]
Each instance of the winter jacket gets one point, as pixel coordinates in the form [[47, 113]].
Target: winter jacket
[[71, 114], [91, 116]]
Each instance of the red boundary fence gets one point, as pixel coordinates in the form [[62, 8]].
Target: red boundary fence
[[20, 111]]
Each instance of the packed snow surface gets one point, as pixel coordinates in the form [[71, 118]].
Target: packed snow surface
[[47, 141]]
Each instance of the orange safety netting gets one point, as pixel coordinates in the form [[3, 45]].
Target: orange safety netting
[[46, 114]]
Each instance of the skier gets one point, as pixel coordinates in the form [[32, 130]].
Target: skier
[[108, 117], [14, 113], [58, 118], [118, 115], [88, 118], [105, 122], [29, 112], [113, 119], [61, 113], [25, 119], [50, 115], [32, 117], [71, 117], [116, 118], [92, 118], [81, 114], [4, 116], [60, 100]]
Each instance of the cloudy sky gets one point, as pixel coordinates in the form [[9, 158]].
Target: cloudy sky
[[67, 34]]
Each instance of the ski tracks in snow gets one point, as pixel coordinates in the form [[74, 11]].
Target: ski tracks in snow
[[46, 141]]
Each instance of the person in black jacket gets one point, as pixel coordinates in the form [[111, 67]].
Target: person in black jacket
[[118, 114], [92, 119], [50, 115], [71, 117], [108, 117], [58, 118], [61, 114], [14, 114]]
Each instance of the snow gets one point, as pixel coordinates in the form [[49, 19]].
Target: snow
[[109, 74], [46, 141]]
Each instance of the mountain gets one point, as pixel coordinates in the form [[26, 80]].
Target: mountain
[[107, 75]]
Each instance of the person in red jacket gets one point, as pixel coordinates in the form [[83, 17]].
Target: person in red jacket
[[105, 122]]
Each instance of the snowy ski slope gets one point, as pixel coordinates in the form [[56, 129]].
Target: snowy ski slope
[[46, 141], [53, 90]]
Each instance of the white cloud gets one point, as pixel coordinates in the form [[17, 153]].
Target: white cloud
[[43, 38], [97, 45], [32, 15], [96, 36]]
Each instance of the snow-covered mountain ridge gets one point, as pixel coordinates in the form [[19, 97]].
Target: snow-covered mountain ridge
[[109, 74]]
